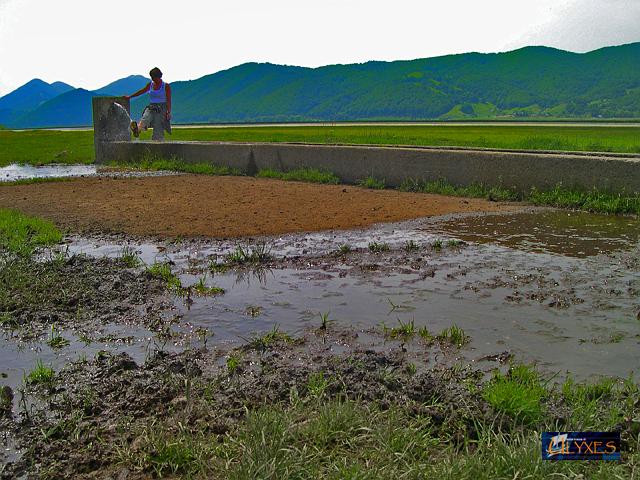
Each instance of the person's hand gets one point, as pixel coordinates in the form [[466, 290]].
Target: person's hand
[[127, 97], [168, 115]]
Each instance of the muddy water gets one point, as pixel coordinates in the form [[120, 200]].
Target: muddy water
[[557, 312], [545, 292], [562, 293], [574, 234]]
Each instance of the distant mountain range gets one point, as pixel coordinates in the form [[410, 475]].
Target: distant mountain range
[[29, 97], [532, 82], [38, 104]]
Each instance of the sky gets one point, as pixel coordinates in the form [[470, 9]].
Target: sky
[[89, 44]]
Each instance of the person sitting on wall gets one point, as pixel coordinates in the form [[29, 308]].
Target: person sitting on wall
[[157, 114]]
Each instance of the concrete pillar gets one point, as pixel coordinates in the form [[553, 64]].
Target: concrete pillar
[[110, 122]]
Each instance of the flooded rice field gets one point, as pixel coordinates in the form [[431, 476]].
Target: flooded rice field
[[557, 288]]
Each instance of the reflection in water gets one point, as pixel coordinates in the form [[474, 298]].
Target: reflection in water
[[573, 234], [259, 273]]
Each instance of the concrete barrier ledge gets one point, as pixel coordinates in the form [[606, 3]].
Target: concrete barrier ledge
[[512, 169]]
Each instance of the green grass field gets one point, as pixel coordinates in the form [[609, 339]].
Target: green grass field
[[43, 147], [40, 147]]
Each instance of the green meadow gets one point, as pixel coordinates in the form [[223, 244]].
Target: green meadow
[[45, 146]]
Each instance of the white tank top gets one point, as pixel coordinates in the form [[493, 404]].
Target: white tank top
[[157, 96]]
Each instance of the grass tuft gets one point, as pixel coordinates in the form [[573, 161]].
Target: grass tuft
[[454, 335], [591, 200], [201, 288], [249, 255], [41, 374], [312, 175], [404, 331], [443, 187], [152, 162], [56, 340], [518, 394], [163, 272], [376, 247], [317, 384], [269, 339], [425, 334], [372, 183], [325, 321], [344, 249], [234, 362], [129, 257], [411, 246]]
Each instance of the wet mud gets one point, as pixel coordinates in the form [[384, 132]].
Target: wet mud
[[77, 293], [554, 288], [97, 412]]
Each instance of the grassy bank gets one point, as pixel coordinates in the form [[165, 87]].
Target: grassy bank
[[311, 175], [360, 416], [588, 200], [175, 164], [42, 147], [22, 234]]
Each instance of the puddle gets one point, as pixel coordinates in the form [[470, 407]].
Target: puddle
[[14, 172], [562, 290], [546, 286], [19, 358], [574, 234], [569, 316]]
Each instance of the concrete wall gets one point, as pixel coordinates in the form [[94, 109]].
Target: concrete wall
[[519, 170], [352, 163]]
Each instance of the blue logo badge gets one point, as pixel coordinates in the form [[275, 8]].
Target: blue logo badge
[[581, 445]]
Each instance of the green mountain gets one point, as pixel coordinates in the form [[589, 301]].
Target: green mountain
[[533, 81], [530, 82]]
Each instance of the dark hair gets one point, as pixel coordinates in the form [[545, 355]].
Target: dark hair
[[155, 73]]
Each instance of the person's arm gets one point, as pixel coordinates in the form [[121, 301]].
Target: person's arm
[[167, 90], [139, 92]]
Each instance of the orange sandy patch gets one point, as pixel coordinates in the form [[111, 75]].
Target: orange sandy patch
[[222, 207]]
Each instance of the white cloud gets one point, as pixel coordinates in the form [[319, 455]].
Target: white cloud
[[585, 25]]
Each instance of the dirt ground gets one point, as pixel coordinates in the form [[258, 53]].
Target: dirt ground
[[223, 207]]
